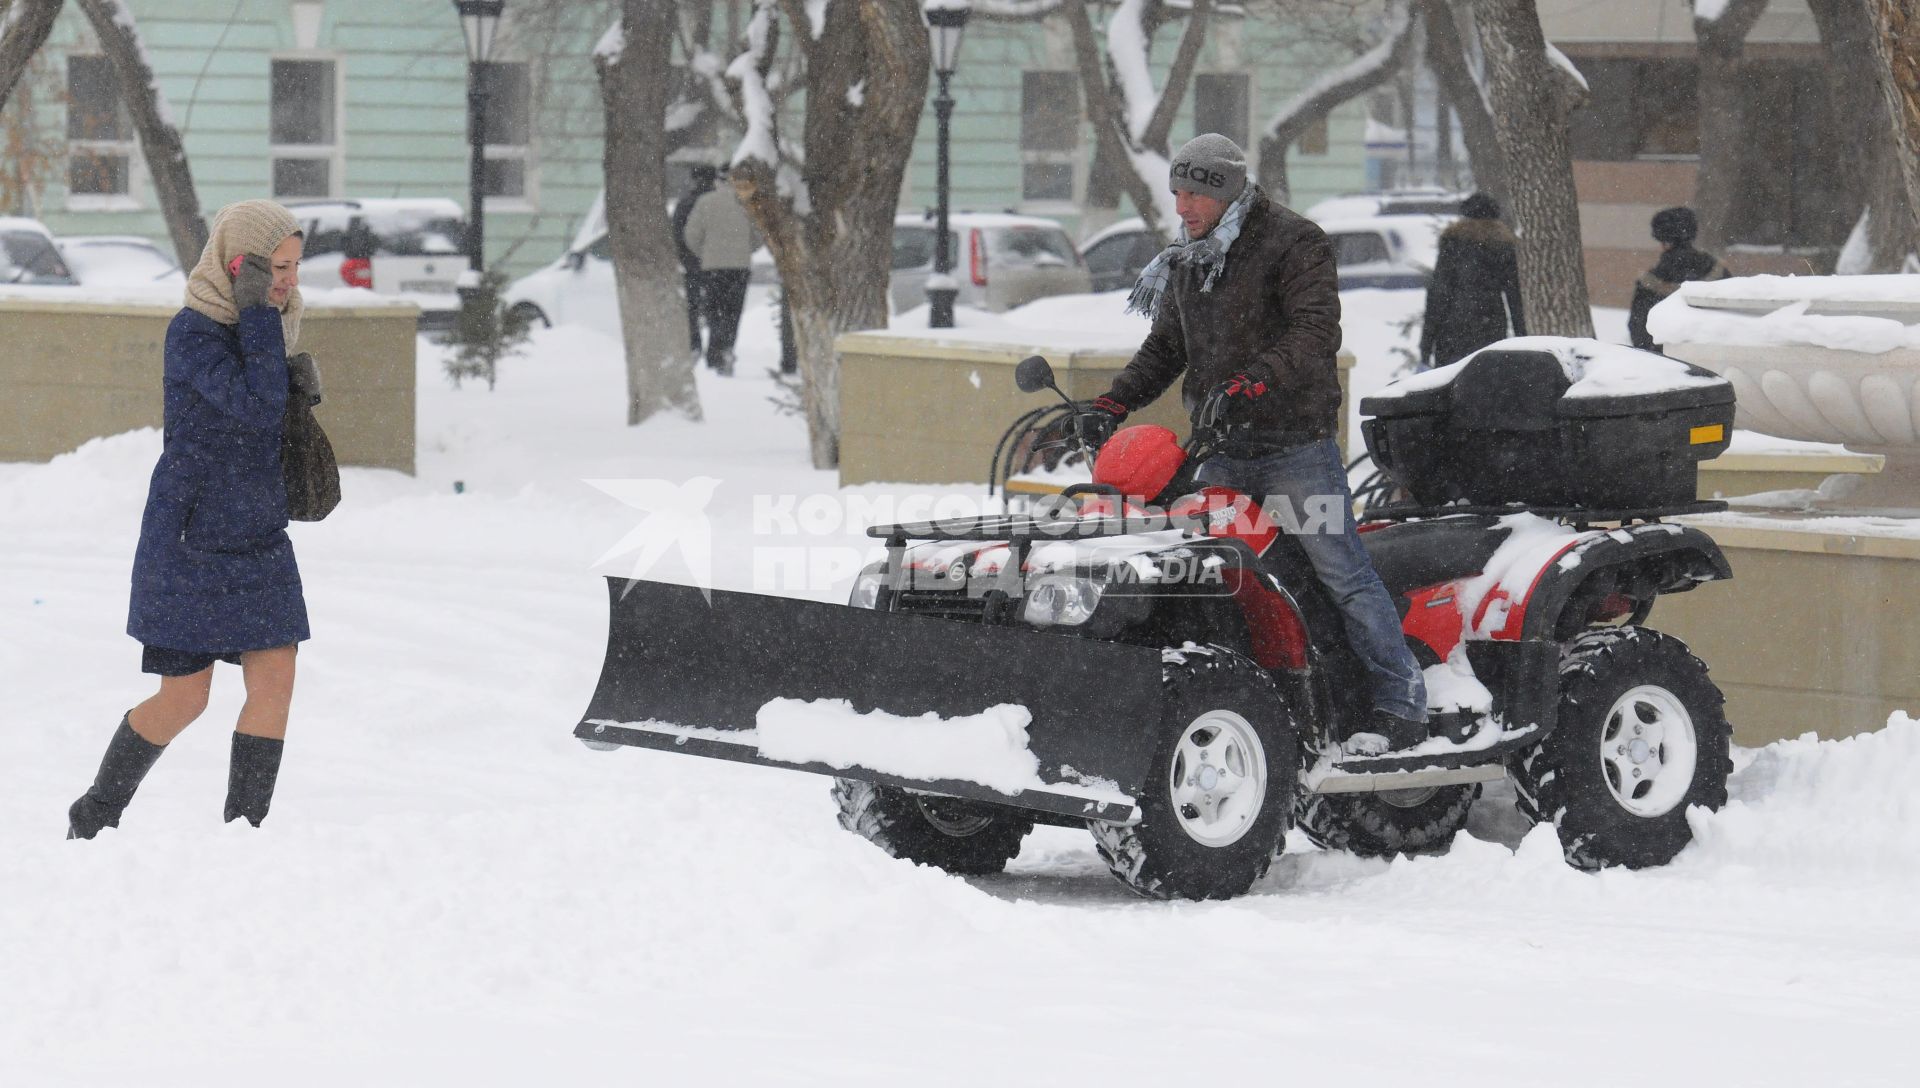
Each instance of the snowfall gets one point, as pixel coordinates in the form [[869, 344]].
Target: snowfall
[[452, 890]]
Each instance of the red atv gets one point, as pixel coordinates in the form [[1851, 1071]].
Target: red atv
[[1162, 657]]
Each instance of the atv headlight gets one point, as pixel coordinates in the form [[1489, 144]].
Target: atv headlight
[[1061, 600], [866, 587]]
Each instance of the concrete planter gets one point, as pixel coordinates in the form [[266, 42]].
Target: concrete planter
[[74, 371]]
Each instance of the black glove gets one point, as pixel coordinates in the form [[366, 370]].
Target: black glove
[[254, 280], [1101, 418], [303, 378], [1251, 383]]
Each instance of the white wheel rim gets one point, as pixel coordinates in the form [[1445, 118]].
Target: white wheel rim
[[1218, 780], [1648, 750]]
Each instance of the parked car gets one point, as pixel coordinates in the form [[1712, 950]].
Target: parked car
[[999, 261], [1424, 201], [29, 255], [1380, 251], [412, 248], [120, 259]]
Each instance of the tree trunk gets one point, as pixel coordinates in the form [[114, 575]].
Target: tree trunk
[[1897, 66], [831, 233], [646, 269], [24, 26], [1530, 121], [1721, 46], [1356, 77], [153, 121], [1112, 141], [1179, 78], [1452, 65], [1864, 132]]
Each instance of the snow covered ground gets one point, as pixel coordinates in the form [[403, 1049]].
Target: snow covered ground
[[451, 890]]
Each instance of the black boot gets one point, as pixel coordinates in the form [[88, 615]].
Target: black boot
[[1386, 733], [129, 757], [251, 774]]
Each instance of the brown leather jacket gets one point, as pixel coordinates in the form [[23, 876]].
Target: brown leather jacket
[[1274, 312]]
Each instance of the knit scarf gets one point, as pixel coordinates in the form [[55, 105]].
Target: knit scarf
[[250, 226], [1209, 254]]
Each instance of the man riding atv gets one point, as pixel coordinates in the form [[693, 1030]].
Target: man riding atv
[[1246, 301]]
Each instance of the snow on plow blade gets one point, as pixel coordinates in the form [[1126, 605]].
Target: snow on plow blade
[[687, 676]]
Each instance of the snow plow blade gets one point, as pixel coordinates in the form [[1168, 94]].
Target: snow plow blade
[[685, 675]]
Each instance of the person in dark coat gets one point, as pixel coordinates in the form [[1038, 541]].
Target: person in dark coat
[[703, 178], [1246, 302], [214, 578], [1675, 230], [1474, 296]]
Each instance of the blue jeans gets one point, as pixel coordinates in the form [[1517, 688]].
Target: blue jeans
[[1313, 481]]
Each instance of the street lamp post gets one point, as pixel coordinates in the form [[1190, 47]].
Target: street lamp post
[[478, 20], [946, 23]]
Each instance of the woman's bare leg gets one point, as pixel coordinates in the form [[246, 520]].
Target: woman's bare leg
[[269, 679], [170, 710]]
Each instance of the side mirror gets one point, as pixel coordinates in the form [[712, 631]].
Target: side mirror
[[1034, 374], [576, 260]]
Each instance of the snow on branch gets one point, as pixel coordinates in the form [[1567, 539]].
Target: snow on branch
[[1366, 70], [1560, 60], [756, 102], [612, 44], [1128, 49]]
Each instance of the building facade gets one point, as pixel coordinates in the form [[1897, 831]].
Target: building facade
[[306, 99]]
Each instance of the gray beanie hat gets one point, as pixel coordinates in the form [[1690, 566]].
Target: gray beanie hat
[[1211, 165]]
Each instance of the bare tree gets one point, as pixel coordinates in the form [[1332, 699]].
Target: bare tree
[[1869, 169], [153, 122], [24, 26], [32, 150], [1133, 119], [1373, 67], [1530, 111], [1721, 37], [826, 204], [630, 62], [1896, 23], [1452, 57]]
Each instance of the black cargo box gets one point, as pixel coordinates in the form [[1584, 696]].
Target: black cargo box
[[1499, 428]]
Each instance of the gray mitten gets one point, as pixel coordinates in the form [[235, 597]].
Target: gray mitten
[[250, 287], [303, 378]]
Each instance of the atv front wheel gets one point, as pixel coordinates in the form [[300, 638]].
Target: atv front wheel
[[1220, 787], [1381, 825], [1641, 738], [965, 838]]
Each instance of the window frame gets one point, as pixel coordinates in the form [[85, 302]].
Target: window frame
[[127, 147], [334, 154], [1070, 157], [525, 154]]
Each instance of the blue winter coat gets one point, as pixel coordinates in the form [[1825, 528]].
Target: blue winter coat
[[214, 571]]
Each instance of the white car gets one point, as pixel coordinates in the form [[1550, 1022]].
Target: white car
[[120, 260], [1389, 252], [412, 248], [29, 255]]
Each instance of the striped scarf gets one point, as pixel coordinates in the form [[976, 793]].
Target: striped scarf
[[1209, 253]]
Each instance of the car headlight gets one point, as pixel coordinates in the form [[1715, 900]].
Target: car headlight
[[866, 587], [1061, 600]]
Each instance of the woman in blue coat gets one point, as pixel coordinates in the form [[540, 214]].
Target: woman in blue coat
[[214, 577]]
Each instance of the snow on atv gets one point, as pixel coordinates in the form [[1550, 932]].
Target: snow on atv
[[1154, 659]]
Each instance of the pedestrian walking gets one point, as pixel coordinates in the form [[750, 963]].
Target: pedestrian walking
[[214, 577], [723, 239], [1675, 230], [702, 182], [1473, 298]]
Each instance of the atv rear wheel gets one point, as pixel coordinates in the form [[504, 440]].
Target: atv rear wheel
[[1641, 738], [965, 838], [1381, 825], [1220, 788]]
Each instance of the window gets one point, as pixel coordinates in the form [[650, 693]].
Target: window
[[1364, 248], [1049, 135], [305, 113], [1639, 108], [1314, 140], [29, 257], [507, 129], [1220, 105], [99, 136]]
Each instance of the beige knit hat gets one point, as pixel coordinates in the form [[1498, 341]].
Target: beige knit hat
[[251, 226]]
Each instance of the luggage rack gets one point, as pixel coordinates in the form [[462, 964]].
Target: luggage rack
[[1578, 516]]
